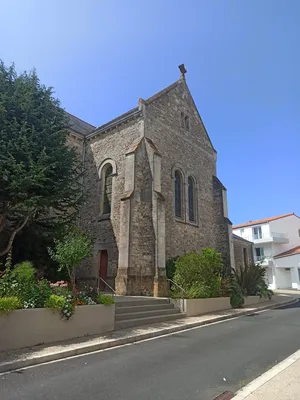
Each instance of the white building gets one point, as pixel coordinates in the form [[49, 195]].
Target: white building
[[277, 244]]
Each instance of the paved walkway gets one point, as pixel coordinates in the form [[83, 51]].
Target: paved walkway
[[39, 354], [281, 382]]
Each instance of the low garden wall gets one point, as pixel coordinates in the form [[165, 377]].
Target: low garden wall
[[29, 327], [193, 307]]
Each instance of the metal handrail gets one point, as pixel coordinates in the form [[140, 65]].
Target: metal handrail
[[100, 279], [176, 284]]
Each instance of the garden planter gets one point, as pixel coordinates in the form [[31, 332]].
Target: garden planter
[[23, 328], [194, 307]]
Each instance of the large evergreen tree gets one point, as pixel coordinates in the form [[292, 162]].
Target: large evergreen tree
[[39, 173]]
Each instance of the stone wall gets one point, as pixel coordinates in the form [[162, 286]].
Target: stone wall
[[243, 251], [100, 147], [222, 225], [191, 152]]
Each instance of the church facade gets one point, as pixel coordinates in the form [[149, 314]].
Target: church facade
[[152, 191]]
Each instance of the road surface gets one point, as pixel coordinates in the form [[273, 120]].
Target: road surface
[[198, 364]]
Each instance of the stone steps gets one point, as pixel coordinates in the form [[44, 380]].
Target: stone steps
[[129, 323], [144, 314], [141, 308], [141, 311], [147, 302]]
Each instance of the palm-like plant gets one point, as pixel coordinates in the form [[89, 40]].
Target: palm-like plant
[[252, 280]]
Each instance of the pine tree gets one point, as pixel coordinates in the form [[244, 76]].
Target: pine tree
[[39, 173]]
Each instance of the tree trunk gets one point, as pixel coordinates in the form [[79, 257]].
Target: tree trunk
[[73, 283], [13, 235]]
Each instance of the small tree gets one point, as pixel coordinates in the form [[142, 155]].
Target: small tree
[[70, 252]]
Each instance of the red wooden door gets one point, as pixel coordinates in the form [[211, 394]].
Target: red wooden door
[[103, 268]]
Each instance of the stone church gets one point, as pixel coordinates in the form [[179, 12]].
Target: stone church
[[153, 193]]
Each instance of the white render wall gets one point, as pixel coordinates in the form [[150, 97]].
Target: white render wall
[[289, 226], [292, 262], [248, 231]]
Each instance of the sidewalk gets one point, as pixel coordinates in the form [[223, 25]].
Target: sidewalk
[[44, 353], [280, 382]]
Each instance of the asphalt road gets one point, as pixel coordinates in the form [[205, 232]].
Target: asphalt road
[[195, 364]]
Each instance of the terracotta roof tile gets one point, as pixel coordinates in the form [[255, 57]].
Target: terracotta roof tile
[[262, 221], [291, 252]]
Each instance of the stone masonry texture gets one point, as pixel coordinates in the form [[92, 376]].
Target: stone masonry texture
[[142, 232]]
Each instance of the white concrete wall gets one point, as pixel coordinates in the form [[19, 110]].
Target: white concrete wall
[[289, 226], [283, 279], [248, 231], [24, 328], [292, 262]]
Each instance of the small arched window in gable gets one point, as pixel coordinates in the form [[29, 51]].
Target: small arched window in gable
[[182, 120], [106, 183], [187, 123], [178, 194], [191, 199]]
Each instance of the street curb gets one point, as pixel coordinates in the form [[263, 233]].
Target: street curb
[[257, 383], [19, 364]]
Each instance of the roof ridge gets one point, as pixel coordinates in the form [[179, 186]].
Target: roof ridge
[[162, 92], [112, 122], [263, 220]]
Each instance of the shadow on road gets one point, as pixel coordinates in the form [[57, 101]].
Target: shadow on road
[[294, 305]]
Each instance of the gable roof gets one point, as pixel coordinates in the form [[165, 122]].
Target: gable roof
[[291, 252], [78, 125], [262, 221], [86, 129]]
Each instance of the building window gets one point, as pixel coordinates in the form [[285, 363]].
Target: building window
[[178, 194], [191, 199], [106, 192], [257, 233], [245, 256], [299, 232], [242, 231], [182, 120], [259, 253], [187, 123]]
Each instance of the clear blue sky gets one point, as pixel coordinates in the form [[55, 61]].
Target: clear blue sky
[[243, 62]]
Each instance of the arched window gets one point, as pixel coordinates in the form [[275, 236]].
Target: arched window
[[106, 192], [191, 199], [182, 120], [178, 194], [187, 123]]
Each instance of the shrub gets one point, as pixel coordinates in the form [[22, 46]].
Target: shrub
[[236, 296], [106, 299], [55, 303], [199, 274], [23, 272], [8, 304]]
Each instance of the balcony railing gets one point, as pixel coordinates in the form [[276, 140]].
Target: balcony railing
[[262, 258], [270, 235]]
